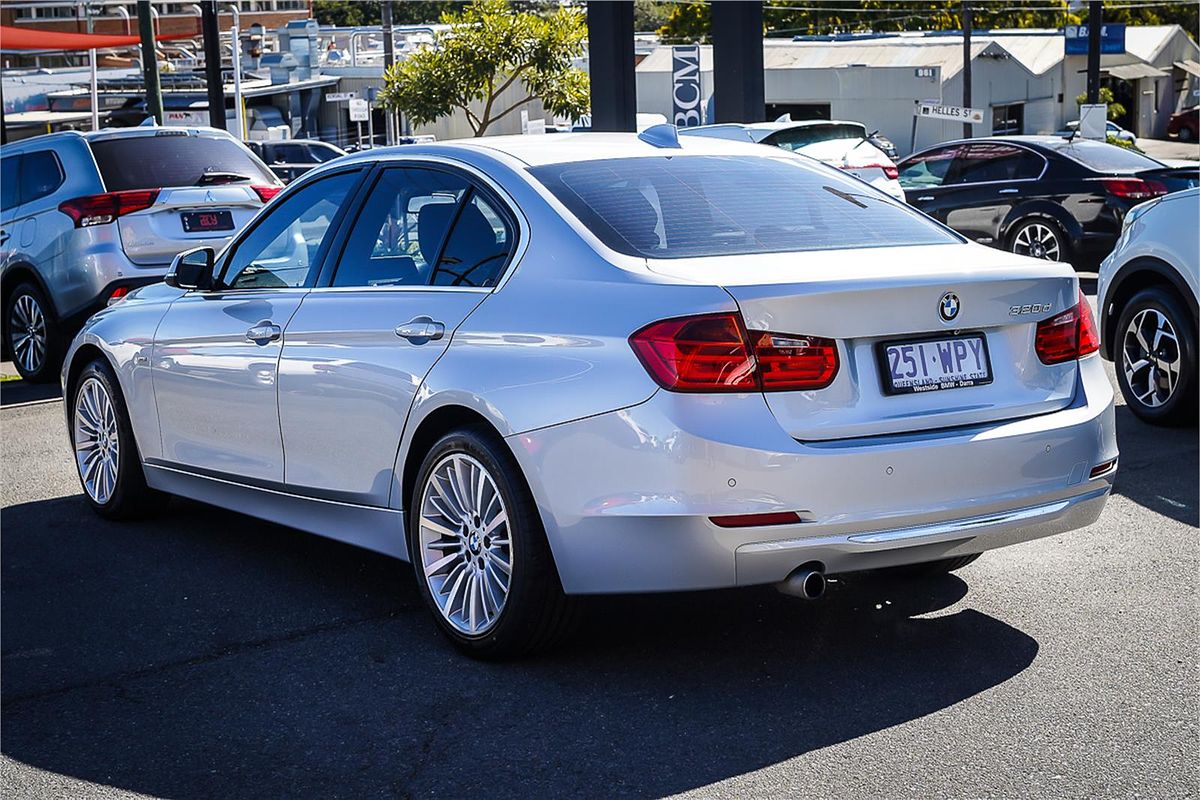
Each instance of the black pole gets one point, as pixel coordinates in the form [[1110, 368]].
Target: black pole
[[966, 73], [1095, 26], [389, 58], [154, 105], [610, 56], [212, 64], [3, 129], [739, 92]]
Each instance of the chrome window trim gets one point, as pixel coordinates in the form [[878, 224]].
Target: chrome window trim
[[423, 287]]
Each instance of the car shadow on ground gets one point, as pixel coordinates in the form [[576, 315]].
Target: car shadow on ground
[[1159, 467], [203, 653], [16, 392]]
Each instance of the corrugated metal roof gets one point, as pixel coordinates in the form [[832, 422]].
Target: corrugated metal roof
[[1131, 72]]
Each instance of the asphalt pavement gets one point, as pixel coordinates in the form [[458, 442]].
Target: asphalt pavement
[[206, 654]]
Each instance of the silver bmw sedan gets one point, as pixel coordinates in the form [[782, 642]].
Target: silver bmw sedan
[[545, 367]]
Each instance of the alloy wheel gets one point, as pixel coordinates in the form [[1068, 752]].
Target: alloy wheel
[[1151, 357], [27, 333], [97, 440], [464, 543], [1037, 240]]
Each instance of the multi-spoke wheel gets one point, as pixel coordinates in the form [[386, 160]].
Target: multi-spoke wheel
[[32, 335], [1039, 239], [479, 550], [466, 552], [1155, 350], [106, 455]]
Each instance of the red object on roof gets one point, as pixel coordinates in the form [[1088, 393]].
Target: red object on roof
[[36, 39]]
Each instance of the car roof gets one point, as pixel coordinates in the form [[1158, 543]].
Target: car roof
[[105, 134], [564, 148]]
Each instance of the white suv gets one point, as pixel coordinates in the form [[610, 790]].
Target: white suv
[[87, 217], [1147, 299]]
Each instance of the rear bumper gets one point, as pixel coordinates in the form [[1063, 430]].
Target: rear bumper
[[626, 496]]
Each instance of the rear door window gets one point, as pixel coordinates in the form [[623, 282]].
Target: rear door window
[[478, 247], [174, 160], [989, 162], [41, 175], [9, 170]]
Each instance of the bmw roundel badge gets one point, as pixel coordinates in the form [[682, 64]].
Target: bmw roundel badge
[[948, 306]]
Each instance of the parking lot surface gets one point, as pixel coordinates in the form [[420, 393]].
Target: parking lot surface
[[206, 654]]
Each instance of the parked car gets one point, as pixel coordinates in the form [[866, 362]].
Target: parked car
[[1071, 129], [1184, 125], [86, 217], [541, 367], [1147, 303], [845, 145], [1041, 196], [291, 158]]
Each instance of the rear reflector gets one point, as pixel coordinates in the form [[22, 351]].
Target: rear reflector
[[1134, 188], [756, 520], [100, 209], [265, 193], [1100, 469], [714, 353], [118, 294], [1071, 334]]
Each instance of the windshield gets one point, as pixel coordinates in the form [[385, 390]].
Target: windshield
[[795, 138], [687, 206], [1105, 157], [175, 159]]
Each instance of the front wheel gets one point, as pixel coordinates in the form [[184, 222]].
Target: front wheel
[[1156, 358], [33, 335], [1039, 239], [482, 562]]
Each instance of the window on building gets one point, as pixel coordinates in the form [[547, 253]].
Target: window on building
[[1008, 120]]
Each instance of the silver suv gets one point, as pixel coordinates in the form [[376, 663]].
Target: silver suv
[[87, 217]]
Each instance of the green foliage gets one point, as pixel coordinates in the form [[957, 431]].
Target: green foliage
[[1128, 145], [349, 13], [650, 15], [490, 47], [1115, 109]]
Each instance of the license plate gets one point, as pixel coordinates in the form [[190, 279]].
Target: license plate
[[927, 365], [207, 221]]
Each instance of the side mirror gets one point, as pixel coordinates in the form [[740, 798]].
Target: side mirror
[[192, 269]]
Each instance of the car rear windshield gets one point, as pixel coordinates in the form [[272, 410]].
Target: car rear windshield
[[688, 206], [169, 160], [1104, 157], [795, 138]]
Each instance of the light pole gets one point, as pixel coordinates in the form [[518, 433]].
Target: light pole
[[235, 34]]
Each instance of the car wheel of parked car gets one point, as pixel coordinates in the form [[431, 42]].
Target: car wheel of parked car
[[1156, 358], [931, 569], [1039, 238], [33, 335], [1186, 134], [106, 454], [479, 551]]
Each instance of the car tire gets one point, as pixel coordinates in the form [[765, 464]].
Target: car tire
[[932, 569], [1186, 134], [106, 455], [1148, 389], [460, 549], [33, 335], [1040, 238]]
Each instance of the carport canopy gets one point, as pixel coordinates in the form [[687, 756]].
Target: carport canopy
[[1131, 72]]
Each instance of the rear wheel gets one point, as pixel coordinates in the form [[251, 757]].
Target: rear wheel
[[106, 456], [1156, 358], [932, 569], [479, 551], [34, 339], [1186, 134], [1039, 238]]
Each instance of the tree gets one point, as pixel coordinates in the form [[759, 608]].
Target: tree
[[489, 48], [1115, 109]]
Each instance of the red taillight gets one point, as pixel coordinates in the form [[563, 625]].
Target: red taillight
[[711, 353], [756, 520], [265, 193], [100, 209], [118, 294], [1071, 334], [1134, 188]]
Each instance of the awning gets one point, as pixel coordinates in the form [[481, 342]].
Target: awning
[[1189, 66], [38, 39], [1131, 72]]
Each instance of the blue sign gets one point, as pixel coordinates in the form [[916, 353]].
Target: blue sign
[[1112, 38]]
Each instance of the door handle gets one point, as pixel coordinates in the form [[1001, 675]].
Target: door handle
[[419, 330], [925, 198], [1008, 191], [263, 332]]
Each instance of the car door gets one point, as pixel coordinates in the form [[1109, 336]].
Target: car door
[[426, 247], [216, 352], [10, 167], [923, 176], [987, 180]]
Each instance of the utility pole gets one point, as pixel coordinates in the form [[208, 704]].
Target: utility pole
[[1095, 27], [154, 103], [212, 64], [966, 71], [389, 58]]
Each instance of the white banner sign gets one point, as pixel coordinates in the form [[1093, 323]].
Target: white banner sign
[[336, 97], [956, 113], [685, 92], [359, 110]]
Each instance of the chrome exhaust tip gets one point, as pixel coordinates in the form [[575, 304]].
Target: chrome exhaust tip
[[805, 582]]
